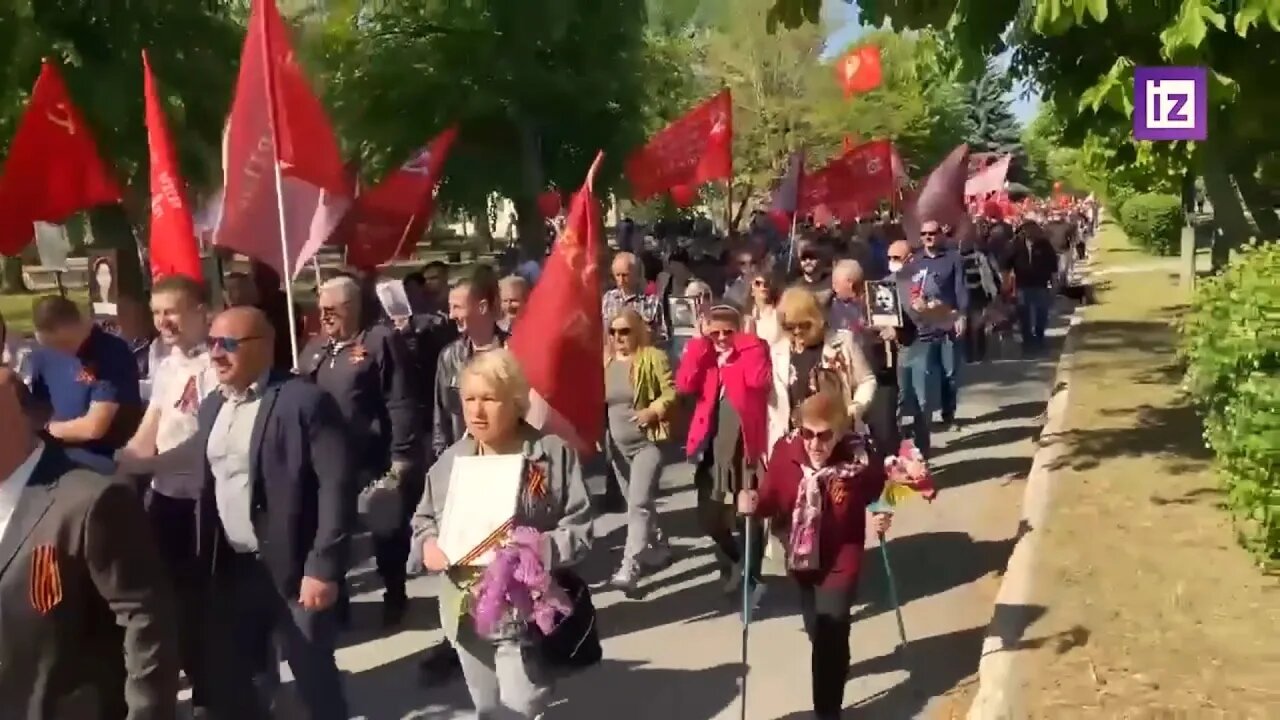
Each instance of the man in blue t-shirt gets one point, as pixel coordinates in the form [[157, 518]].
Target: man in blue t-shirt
[[88, 380]]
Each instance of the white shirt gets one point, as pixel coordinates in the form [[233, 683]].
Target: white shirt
[[12, 487], [180, 383]]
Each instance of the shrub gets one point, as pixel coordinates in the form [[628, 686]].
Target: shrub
[[1231, 342], [1154, 222]]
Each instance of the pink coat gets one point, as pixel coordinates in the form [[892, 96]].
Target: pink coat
[[746, 378]]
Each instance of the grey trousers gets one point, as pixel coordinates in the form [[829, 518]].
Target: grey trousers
[[506, 679], [637, 475]]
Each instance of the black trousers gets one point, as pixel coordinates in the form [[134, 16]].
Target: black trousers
[[720, 522], [391, 552], [827, 622], [173, 522], [882, 414]]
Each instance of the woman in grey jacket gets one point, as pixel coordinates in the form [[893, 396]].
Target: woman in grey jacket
[[505, 674]]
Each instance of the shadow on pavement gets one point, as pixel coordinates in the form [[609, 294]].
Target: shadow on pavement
[[627, 690], [1010, 412], [927, 564], [996, 437], [965, 472]]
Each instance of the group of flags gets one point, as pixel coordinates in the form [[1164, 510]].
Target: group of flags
[[286, 190]]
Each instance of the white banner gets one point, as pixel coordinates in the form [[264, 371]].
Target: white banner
[[53, 246]]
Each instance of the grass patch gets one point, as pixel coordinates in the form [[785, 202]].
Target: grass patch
[[1139, 558]]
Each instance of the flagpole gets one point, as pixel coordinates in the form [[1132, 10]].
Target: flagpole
[[279, 179]]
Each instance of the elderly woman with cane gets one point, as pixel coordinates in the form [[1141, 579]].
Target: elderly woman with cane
[[820, 480], [505, 657]]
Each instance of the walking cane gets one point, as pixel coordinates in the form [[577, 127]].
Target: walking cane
[[893, 593], [746, 606]]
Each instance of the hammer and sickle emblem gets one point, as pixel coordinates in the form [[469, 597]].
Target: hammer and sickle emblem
[[851, 65], [62, 120], [874, 166], [718, 128]]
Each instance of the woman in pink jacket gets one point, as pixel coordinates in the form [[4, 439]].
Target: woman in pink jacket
[[728, 371]]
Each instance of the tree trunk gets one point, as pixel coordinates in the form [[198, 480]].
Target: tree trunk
[[533, 234], [1228, 211], [111, 229], [1259, 205], [14, 283], [483, 231]]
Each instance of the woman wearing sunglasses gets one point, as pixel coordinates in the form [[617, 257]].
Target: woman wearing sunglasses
[[638, 394], [727, 371], [762, 309], [820, 480], [809, 346]]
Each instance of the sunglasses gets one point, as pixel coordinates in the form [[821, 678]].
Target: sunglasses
[[721, 334], [821, 435], [802, 326], [810, 258], [928, 233], [759, 282], [898, 258], [620, 332], [230, 344]]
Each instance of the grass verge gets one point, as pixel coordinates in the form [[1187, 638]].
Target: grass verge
[[1151, 608]]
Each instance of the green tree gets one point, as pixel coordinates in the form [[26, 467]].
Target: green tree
[[536, 88], [992, 127]]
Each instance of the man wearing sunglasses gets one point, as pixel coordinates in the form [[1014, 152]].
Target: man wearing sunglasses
[[275, 517], [938, 276]]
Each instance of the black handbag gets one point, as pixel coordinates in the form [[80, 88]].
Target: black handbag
[[574, 644]]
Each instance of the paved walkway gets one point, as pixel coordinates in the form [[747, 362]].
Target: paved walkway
[[675, 654]]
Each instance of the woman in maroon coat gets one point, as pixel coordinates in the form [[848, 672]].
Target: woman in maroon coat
[[820, 479]]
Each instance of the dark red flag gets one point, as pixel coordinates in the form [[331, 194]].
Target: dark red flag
[[173, 246], [860, 70], [559, 335], [276, 119], [387, 216], [53, 169], [694, 149], [941, 197], [786, 195], [852, 184]]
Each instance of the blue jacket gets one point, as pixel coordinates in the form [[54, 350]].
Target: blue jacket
[[304, 490]]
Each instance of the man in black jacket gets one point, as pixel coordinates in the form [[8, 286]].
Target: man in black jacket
[[275, 519], [1034, 264], [365, 367]]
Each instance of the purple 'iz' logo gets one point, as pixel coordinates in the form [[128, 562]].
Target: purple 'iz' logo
[[1170, 103]]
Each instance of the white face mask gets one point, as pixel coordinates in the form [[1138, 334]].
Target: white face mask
[[895, 266]]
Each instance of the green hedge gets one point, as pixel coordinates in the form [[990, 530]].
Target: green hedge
[[1231, 342], [1153, 221]]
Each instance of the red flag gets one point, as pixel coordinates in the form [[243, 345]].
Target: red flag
[[276, 118], [860, 70], [559, 336], [53, 169], [851, 184], [694, 149], [941, 197], [385, 217], [173, 246]]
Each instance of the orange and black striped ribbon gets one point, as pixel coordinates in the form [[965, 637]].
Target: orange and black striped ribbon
[[46, 581], [494, 539]]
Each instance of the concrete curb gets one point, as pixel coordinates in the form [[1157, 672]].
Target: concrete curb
[[1001, 687]]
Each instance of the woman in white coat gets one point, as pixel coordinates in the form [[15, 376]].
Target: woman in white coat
[[806, 347]]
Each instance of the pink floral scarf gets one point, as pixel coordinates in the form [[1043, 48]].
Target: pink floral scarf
[[806, 516]]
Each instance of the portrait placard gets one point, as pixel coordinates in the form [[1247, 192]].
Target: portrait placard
[[884, 308], [104, 284], [479, 506]]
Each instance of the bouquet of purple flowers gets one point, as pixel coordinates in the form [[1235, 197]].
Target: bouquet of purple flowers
[[517, 586]]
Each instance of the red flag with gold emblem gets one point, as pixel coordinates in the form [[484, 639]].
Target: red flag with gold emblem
[[860, 70], [173, 246], [852, 184], [53, 169], [559, 335], [694, 149]]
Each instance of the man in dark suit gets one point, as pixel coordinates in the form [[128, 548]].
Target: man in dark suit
[[275, 517], [80, 584]]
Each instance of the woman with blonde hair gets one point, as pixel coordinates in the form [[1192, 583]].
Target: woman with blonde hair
[[638, 394], [810, 345], [820, 480], [505, 674], [727, 371]]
